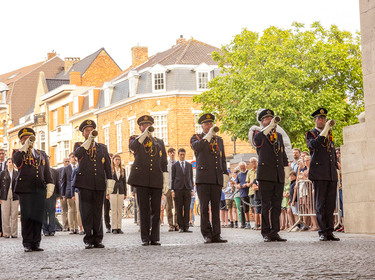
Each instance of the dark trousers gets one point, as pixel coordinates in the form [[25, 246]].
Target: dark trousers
[[325, 193], [32, 207], [210, 193], [107, 207], [271, 197], [182, 200], [91, 208], [49, 215], [149, 203]]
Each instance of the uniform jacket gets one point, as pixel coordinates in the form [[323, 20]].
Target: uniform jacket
[[182, 179], [32, 178], [6, 183], [147, 170], [66, 189], [92, 173], [120, 183], [323, 165], [270, 164], [211, 164]]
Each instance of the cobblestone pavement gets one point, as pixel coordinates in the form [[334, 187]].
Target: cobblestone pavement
[[184, 256]]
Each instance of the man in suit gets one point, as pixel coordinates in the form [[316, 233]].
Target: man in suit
[[63, 202], [182, 189], [149, 176], [270, 173], [68, 194], [2, 167], [92, 175], [211, 176], [34, 184], [323, 173], [49, 215], [172, 218]]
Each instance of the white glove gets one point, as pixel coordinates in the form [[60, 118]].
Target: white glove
[[110, 186], [50, 190], [269, 127], [165, 182], [143, 136], [87, 144], [211, 133], [28, 144], [225, 180], [326, 129]]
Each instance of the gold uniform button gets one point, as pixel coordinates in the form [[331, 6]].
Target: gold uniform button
[[151, 160], [216, 162], [37, 175], [94, 159], [216, 167], [95, 174], [150, 168], [94, 164], [277, 165], [150, 164]]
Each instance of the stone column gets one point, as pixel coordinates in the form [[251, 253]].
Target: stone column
[[358, 151]]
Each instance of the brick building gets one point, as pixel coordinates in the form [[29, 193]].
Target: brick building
[[163, 86]]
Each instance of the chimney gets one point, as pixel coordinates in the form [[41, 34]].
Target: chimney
[[69, 61], [180, 40], [51, 55], [139, 55], [75, 78]]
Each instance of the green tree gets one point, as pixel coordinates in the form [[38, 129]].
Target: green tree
[[293, 72]]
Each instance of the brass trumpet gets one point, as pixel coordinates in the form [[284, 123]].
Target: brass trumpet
[[150, 129], [94, 133]]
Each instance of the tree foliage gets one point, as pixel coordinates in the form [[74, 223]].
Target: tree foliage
[[293, 72]]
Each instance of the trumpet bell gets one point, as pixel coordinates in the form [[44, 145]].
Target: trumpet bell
[[151, 129], [332, 123], [216, 129], [32, 138], [277, 119], [94, 133]]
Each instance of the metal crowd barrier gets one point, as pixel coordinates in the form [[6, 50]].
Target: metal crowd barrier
[[306, 203]]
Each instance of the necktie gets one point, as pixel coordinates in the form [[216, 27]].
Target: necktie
[[1, 166], [183, 166]]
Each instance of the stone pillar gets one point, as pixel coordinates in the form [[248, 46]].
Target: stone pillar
[[358, 161]]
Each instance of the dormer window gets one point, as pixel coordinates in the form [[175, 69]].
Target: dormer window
[[133, 77], [202, 80], [75, 105], [91, 98], [203, 76], [107, 91], [158, 78]]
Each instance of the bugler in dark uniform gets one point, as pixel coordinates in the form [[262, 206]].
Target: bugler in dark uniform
[[323, 172], [92, 175], [148, 175], [211, 168], [270, 173], [33, 186]]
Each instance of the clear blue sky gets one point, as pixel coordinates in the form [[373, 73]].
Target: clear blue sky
[[31, 28]]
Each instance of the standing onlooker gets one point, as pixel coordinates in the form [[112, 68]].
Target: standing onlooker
[[149, 176], [211, 176], [323, 173], [172, 218], [34, 184], [244, 195], [182, 189], [339, 182], [118, 195], [63, 202], [270, 173], [2, 167], [229, 200], [251, 176], [296, 157], [49, 215], [258, 205], [192, 205], [9, 200], [236, 197], [107, 208], [68, 195]]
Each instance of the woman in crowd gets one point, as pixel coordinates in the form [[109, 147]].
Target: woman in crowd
[[9, 200], [118, 195]]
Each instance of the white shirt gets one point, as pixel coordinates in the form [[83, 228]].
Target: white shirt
[[118, 173]]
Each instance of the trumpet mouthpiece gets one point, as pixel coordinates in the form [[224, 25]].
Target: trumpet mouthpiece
[[216, 129], [151, 129], [94, 133]]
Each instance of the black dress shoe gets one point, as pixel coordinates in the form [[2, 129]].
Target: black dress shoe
[[155, 243], [331, 237], [219, 240], [207, 240], [27, 249], [181, 230], [145, 243], [38, 249], [99, 245], [266, 238], [52, 234], [322, 238], [186, 230], [114, 231], [119, 231], [89, 246], [108, 230], [278, 238]]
